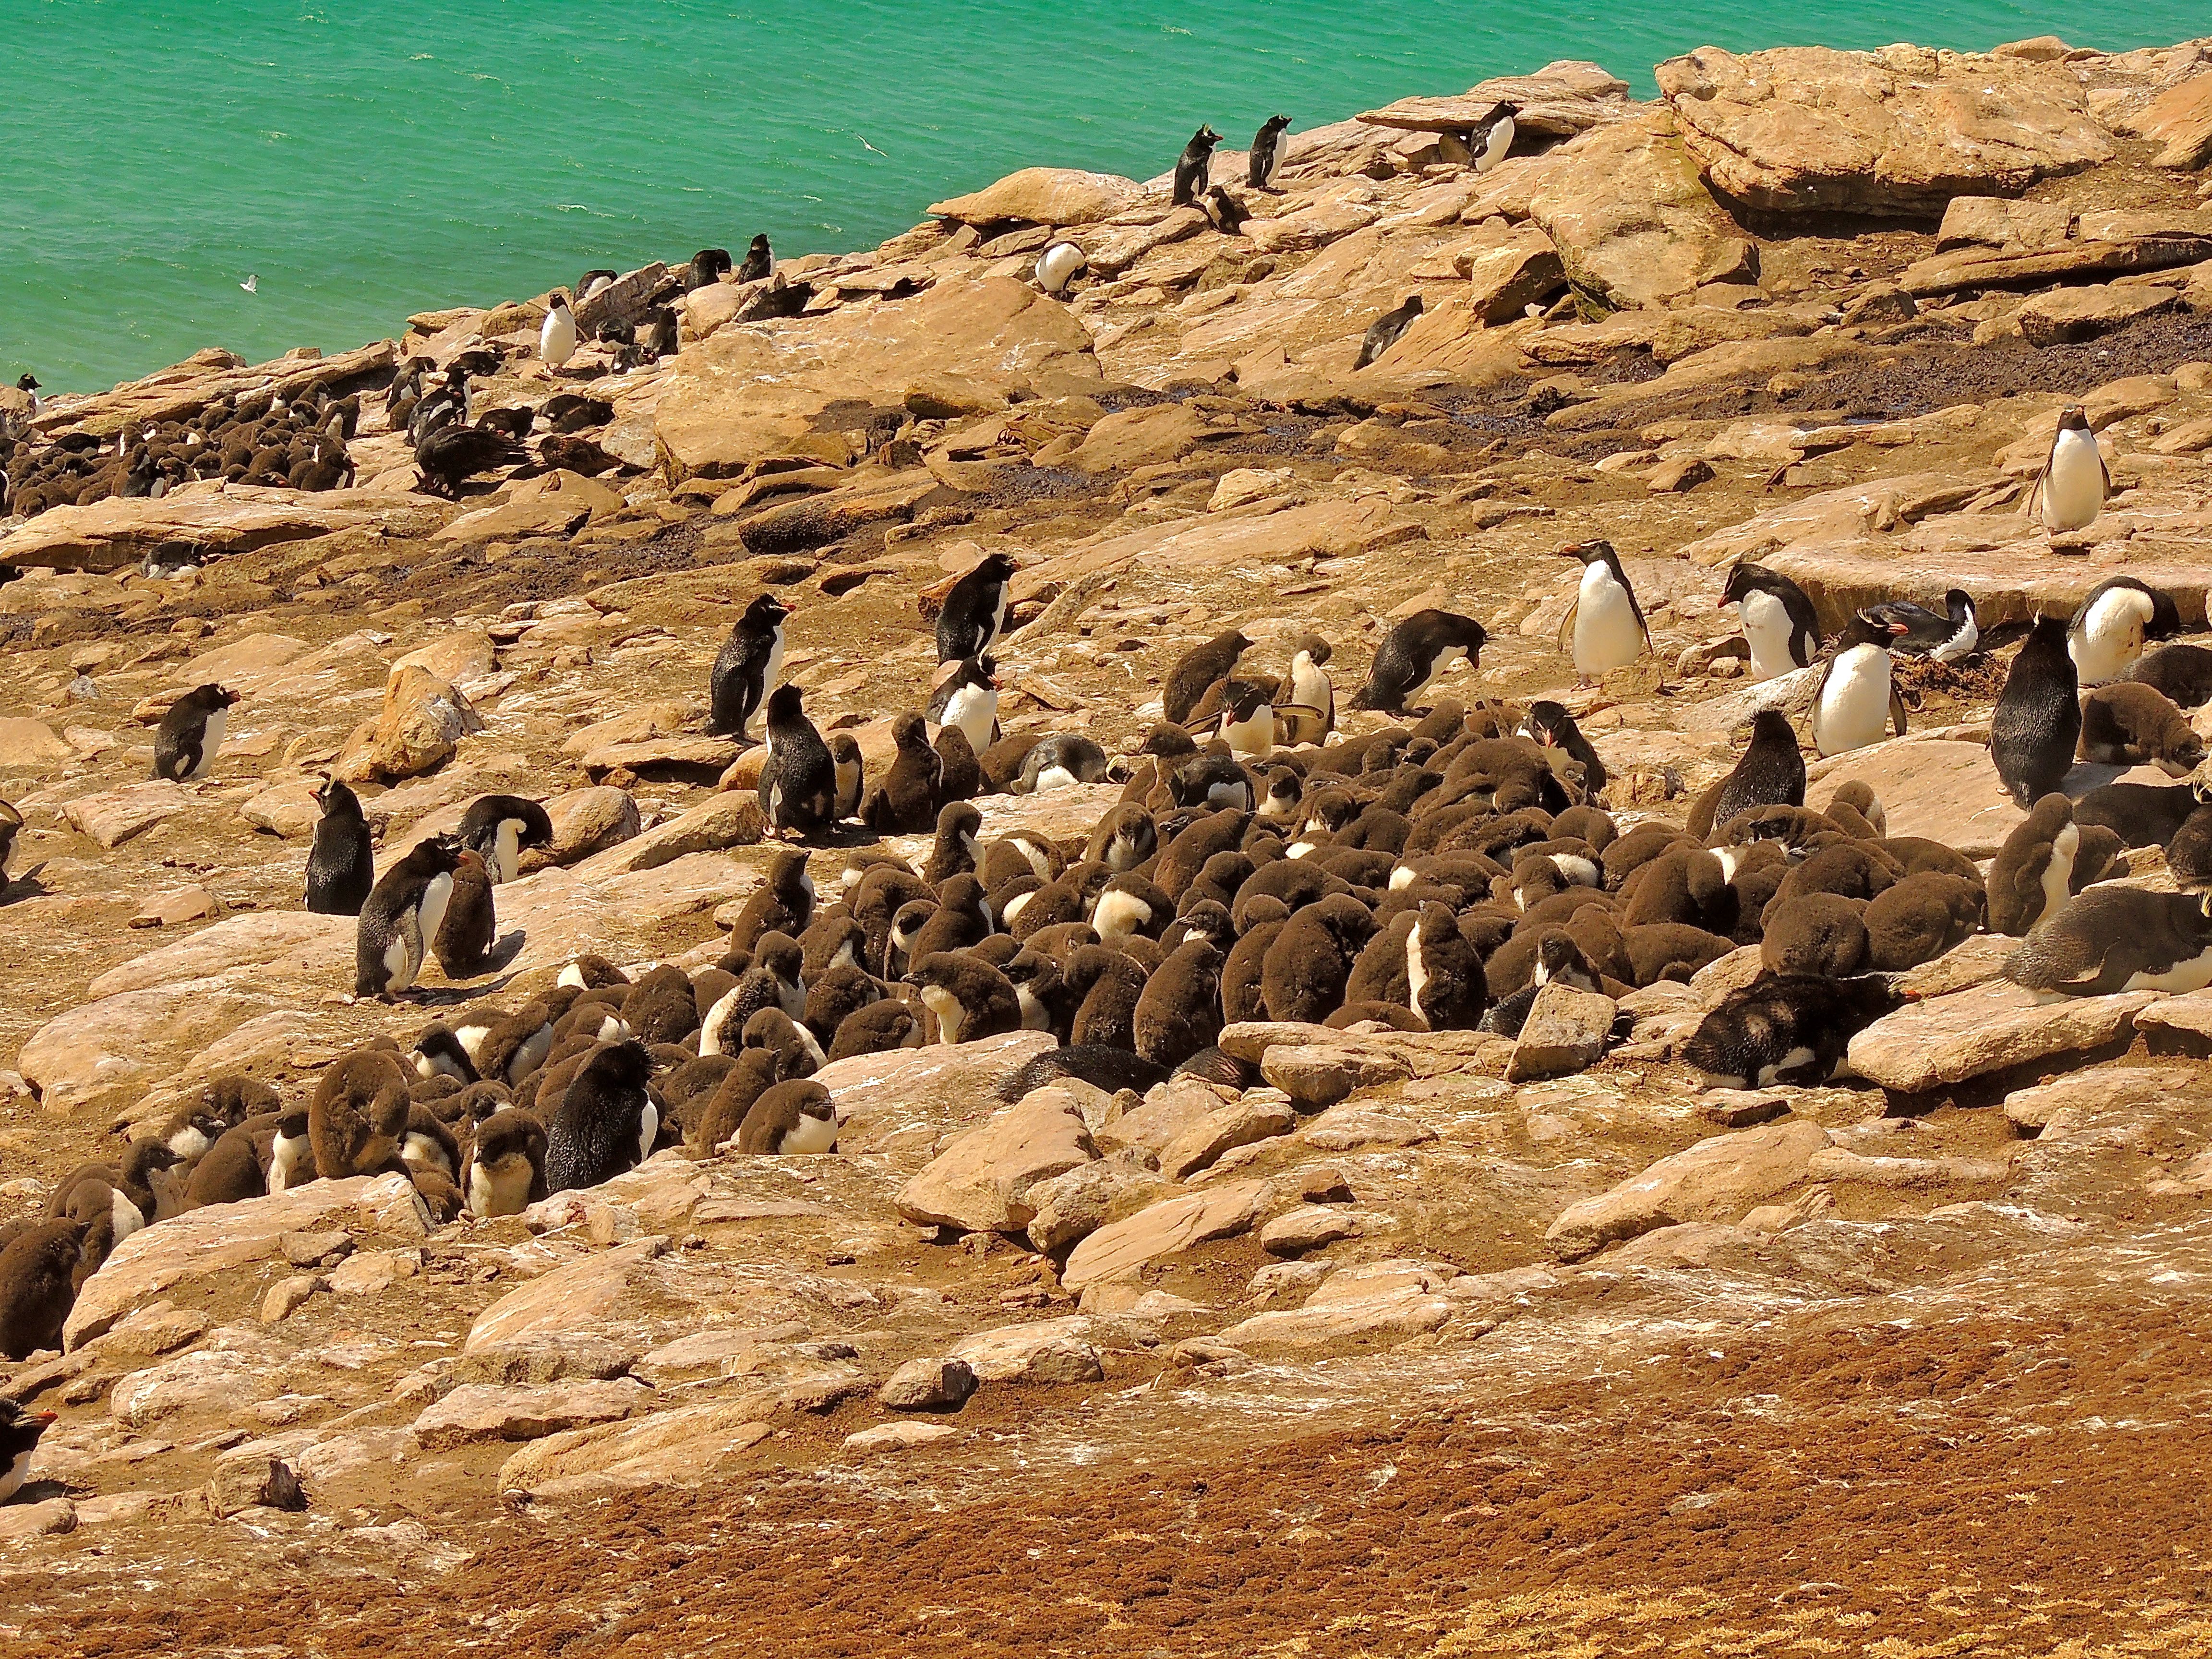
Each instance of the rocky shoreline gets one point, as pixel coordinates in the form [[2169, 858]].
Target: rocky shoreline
[[1403, 1341]]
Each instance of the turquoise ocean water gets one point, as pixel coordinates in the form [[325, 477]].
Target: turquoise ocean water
[[368, 158]]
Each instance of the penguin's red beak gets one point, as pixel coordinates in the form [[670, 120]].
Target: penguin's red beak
[[45, 1420]]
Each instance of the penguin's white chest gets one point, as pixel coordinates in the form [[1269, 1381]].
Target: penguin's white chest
[[1254, 736], [1417, 973], [13, 1477], [437, 893], [1119, 914], [1766, 626], [2074, 487], [1440, 664], [1500, 141], [288, 1164], [946, 1006], [2110, 637], [715, 1037], [501, 1188], [2190, 974], [1853, 706], [1605, 633], [556, 339], [506, 850], [810, 1135], [772, 676], [1057, 266], [975, 710], [1964, 638], [2059, 872], [210, 740]]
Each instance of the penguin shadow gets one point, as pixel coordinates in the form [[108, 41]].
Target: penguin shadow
[[14, 889], [2084, 775], [38, 1490]]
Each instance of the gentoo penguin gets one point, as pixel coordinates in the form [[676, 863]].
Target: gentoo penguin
[[1855, 693], [1415, 654], [845, 756], [747, 667], [1947, 636], [606, 1121], [496, 828], [1061, 761], [2130, 724], [1605, 622], [1270, 148], [2038, 721], [2074, 482], [2182, 672], [1492, 140], [341, 864], [974, 613], [1788, 1028], [904, 800], [2118, 938], [760, 262], [464, 938], [968, 697], [1770, 771], [400, 920], [1191, 167], [970, 998], [1060, 264], [1387, 331], [186, 741], [790, 1120], [1195, 673], [556, 338], [1310, 714], [1551, 724], [20, 1429], [357, 1114], [2106, 634], [504, 1173], [783, 903], [799, 784], [1778, 621], [2045, 861], [38, 1288]]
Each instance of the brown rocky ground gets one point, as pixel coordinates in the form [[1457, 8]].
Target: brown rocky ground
[[1909, 1370]]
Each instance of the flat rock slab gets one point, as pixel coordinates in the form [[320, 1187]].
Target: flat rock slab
[[1394, 1313], [1717, 1180], [119, 531], [980, 1182], [477, 1411], [942, 1085], [574, 1295], [115, 816], [1989, 1028], [1947, 790], [681, 1448], [1166, 1228]]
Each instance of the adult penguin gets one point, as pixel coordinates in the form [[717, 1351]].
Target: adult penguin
[[1491, 142], [2074, 482], [2106, 634], [341, 863], [968, 697], [799, 784], [1060, 264], [759, 261], [496, 828], [1945, 636], [400, 923], [1415, 654], [1770, 771], [1191, 167], [1271, 149], [606, 1121], [1387, 331], [1857, 691], [556, 337], [186, 741], [1605, 622], [20, 1429], [1779, 622], [974, 613], [747, 667], [2038, 721]]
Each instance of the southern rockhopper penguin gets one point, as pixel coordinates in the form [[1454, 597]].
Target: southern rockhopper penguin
[[400, 921], [186, 741], [799, 784], [747, 667], [2038, 721], [341, 859], [20, 1429]]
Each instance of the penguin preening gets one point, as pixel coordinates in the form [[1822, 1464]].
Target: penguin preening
[[1415, 654], [2106, 634], [1779, 622], [341, 860], [1787, 1028], [557, 336], [186, 741], [497, 828], [1947, 636], [1387, 331], [1857, 693], [1270, 150], [1604, 622], [2037, 722], [747, 667], [799, 784], [400, 920], [2074, 482], [974, 613], [1060, 264], [1191, 167]]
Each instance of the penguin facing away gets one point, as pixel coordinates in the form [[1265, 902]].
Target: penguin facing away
[[2074, 482], [747, 667], [1387, 331], [1605, 622], [2037, 722], [1770, 771], [400, 921], [974, 613], [606, 1121], [186, 741], [463, 942], [759, 263], [341, 861], [799, 784], [1060, 264], [38, 1287]]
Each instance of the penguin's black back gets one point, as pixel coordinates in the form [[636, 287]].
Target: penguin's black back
[[341, 861], [593, 1136], [2039, 716]]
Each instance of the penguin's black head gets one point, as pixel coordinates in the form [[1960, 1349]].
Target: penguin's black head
[[441, 852], [759, 244], [783, 703], [2073, 418], [996, 567], [766, 612], [1558, 953], [559, 298], [1205, 135], [1959, 602], [1745, 579], [1549, 723], [1596, 551], [1772, 726], [627, 1065], [20, 1426]]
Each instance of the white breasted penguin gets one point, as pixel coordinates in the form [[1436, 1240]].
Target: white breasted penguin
[[759, 262], [504, 1173], [1779, 621], [2074, 483], [1191, 167], [799, 784], [341, 862], [1224, 212], [1061, 761], [1271, 149], [1605, 622], [1312, 693], [2106, 634], [1492, 140], [974, 613], [968, 697], [851, 773], [1246, 721], [556, 337], [606, 1121], [1060, 264], [1415, 654], [2111, 939], [1387, 331], [747, 667], [970, 998], [791, 1119], [496, 828], [2045, 861], [1552, 725], [20, 1429], [400, 921], [1945, 636], [1857, 693], [2037, 722], [186, 741]]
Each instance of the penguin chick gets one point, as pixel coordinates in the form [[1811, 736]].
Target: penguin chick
[[790, 1120], [1125, 837], [903, 801], [956, 851], [1788, 1028], [1819, 933], [2118, 938], [357, 1114], [464, 936], [1179, 1011], [1920, 918], [37, 1271], [970, 998], [783, 903], [1196, 671], [2126, 724]]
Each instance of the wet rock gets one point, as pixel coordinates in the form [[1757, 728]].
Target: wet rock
[[1166, 1228], [1046, 1352], [1567, 1031], [1716, 1179], [477, 1411], [981, 1182], [928, 1385], [418, 730], [1987, 1028]]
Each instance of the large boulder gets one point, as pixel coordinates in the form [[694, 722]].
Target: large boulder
[[1717, 1180], [2180, 118], [980, 1182], [422, 723], [121, 531], [1897, 132], [1044, 196]]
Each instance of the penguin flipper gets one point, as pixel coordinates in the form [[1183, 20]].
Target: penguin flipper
[[1567, 624], [1896, 707]]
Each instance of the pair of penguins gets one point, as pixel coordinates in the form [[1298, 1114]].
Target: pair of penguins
[[435, 900]]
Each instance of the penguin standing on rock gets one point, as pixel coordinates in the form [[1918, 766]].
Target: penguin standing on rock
[[1415, 654], [747, 667], [2038, 721], [354, 1119], [1604, 621], [1857, 691], [606, 1121], [2106, 634], [1779, 622], [20, 1429], [496, 828], [1271, 149], [341, 864], [1493, 139], [1060, 264], [2074, 482], [968, 697], [1770, 771], [556, 337], [1387, 331], [759, 261], [974, 613], [186, 741], [400, 921], [1786, 1028], [799, 784], [792, 1119], [1191, 167], [464, 939]]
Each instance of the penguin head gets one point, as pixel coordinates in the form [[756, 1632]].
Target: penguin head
[[994, 567], [2073, 418], [1315, 649], [1169, 742], [1771, 725], [766, 612], [1866, 628], [1206, 136], [1548, 723], [784, 704], [440, 853], [1597, 550], [28, 383], [1960, 603], [560, 300], [1744, 580]]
